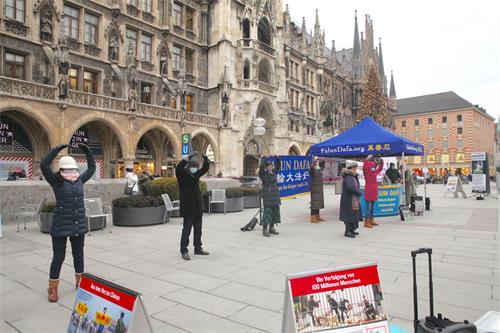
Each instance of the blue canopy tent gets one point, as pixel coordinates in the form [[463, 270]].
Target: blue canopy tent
[[367, 138]]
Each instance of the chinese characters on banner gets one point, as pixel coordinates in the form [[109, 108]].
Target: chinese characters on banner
[[293, 178], [347, 299]]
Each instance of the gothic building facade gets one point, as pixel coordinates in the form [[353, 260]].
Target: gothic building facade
[[130, 78]]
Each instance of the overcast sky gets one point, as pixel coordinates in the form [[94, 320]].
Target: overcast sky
[[432, 46]]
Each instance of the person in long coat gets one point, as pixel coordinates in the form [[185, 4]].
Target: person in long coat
[[69, 219], [270, 195], [191, 206], [371, 168], [410, 186], [316, 190], [350, 205]]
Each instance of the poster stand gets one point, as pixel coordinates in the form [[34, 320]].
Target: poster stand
[[103, 305], [340, 300], [454, 185]]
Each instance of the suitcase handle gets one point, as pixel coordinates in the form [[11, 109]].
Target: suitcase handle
[[414, 254]]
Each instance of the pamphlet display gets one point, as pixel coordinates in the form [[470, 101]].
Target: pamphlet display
[[342, 300], [454, 185], [102, 306]]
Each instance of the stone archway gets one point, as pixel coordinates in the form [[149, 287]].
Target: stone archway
[[24, 141], [157, 151], [203, 143], [294, 150], [106, 143], [264, 31]]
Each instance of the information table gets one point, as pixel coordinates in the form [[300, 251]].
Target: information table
[[387, 203]]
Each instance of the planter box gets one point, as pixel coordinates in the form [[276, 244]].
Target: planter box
[[232, 205], [133, 217], [251, 201], [46, 222]]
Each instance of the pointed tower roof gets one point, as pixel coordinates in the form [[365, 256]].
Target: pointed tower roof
[[380, 59], [356, 51], [316, 22], [304, 33], [392, 90]]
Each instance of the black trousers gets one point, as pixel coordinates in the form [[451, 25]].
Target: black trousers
[[314, 211], [188, 224], [59, 249], [351, 226]]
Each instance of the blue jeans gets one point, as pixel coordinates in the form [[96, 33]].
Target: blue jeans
[[369, 208]]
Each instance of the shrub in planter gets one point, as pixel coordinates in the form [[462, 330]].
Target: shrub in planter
[[169, 185], [138, 210], [234, 192], [46, 215], [250, 197]]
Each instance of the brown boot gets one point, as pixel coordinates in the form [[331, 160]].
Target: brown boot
[[367, 223], [52, 291], [78, 276], [372, 222], [319, 218], [314, 219]]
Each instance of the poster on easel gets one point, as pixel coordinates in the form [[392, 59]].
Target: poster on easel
[[342, 300], [454, 186], [480, 172], [105, 307]]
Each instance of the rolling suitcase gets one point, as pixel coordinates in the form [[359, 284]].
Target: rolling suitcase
[[433, 324]]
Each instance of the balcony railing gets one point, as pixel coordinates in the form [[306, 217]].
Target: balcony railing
[[245, 42], [37, 91], [264, 47]]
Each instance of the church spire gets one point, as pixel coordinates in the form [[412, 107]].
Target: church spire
[[380, 59], [316, 23], [356, 50], [334, 54], [304, 34], [392, 90]]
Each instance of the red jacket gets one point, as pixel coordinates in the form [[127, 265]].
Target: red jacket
[[370, 171]]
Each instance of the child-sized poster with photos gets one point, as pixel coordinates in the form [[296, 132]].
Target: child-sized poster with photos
[[344, 300]]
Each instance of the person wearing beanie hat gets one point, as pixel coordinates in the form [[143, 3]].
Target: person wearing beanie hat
[[271, 200], [69, 219], [191, 206], [371, 168], [350, 207]]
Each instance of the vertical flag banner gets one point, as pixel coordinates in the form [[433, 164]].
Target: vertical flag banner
[[343, 300]]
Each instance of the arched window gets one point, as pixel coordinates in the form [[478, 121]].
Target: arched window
[[265, 71], [246, 70], [246, 28], [264, 31]]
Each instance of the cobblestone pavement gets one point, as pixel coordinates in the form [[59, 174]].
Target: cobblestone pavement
[[240, 286]]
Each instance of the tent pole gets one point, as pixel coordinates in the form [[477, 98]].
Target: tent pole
[[403, 190]]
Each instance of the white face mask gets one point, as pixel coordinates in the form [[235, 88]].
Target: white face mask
[[193, 169]]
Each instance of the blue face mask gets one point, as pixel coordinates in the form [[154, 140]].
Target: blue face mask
[[193, 169], [317, 167]]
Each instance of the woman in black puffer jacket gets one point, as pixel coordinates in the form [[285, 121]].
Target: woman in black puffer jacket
[[270, 195], [69, 217]]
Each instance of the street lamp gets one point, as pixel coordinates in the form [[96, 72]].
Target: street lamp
[[259, 130]]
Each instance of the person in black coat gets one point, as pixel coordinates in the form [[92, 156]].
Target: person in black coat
[[69, 216], [191, 206], [270, 195], [350, 207]]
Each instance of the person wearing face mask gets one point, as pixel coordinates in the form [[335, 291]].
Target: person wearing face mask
[[371, 168], [69, 217], [191, 206], [270, 195], [316, 190]]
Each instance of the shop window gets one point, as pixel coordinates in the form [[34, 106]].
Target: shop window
[[460, 157], [189, 103], [91, 25], [177, 14], [146, 6], [71, 21], [417, 160], [177, 58], [189, 19], [14, 66], [131, 36], [445, 158], [417, 122], [146, 89], [73, 78], [15, 10], [189, 61], [146, 47], [403, 123], [431, 158], [429, 121], [90, 81]]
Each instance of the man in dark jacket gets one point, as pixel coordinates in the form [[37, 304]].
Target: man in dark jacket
[[270, 195], [393, 174], [350, 208], [334, 306], [191, 206]]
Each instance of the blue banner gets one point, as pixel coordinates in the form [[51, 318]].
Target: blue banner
[[293, 178], [387, 203]]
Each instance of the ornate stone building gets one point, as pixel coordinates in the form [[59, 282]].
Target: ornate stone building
[[130, 77]]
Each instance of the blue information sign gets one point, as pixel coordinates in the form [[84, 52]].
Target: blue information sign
[[387, 203], [186, 145], [293, 178]]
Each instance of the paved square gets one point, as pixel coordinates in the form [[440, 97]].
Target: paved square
[[240, 286]]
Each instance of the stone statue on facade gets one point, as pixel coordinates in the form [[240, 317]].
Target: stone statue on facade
[[46, 25], [225, 109], [63, 63], [114, 47], [131, 63]]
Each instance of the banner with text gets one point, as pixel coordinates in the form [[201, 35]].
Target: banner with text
[[480, 172], [293, 178], [348, 299], [102, 306], [387, 203]]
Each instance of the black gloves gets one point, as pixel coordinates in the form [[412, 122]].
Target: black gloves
[[61, 147], [83, 147]]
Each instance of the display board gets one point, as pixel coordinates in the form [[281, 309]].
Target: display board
[[387, 203], [340, 300], [102, 306], [480, 172], [294, 176], [454, 186]]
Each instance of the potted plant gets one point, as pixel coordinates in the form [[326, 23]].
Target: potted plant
[[46, 215], [138, 210], [234, 201], [251, 197], [169, 185]]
